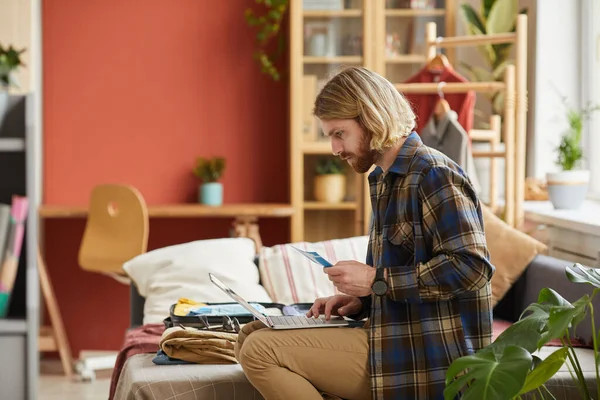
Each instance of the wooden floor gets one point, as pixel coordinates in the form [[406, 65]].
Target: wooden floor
[[54, 386]]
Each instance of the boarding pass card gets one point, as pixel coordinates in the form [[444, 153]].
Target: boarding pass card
[[314, 257]]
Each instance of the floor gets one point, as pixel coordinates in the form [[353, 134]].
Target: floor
[[55, 386]]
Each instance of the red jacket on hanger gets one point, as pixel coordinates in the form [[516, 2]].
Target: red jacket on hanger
[[423, 104]]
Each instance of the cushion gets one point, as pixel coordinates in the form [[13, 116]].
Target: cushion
[[164, 275], [511, 251], [290, 278]]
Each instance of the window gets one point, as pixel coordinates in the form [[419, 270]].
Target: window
[[590, 88]]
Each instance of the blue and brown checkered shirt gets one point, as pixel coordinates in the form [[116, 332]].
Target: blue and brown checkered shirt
[[428, 233]]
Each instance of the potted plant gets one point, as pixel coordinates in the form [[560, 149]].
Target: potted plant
[[330, 181], [568, 188], [10, 61], [209, 171], [508, 368]]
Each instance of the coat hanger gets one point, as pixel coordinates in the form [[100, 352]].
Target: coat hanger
[[438, 63], [442, 107]]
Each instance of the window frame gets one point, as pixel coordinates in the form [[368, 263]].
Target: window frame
[[590, 90]]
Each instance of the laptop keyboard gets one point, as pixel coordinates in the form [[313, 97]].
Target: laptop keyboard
[[296, 320]]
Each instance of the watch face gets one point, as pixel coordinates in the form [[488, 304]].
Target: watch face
[[380, 287]]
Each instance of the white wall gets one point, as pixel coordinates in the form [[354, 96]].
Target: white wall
[[15, 30]]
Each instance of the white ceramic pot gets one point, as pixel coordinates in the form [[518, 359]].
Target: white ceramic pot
[[330, 188], [568, 189]]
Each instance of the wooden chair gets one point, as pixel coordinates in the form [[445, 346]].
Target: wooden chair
[[116, 230]]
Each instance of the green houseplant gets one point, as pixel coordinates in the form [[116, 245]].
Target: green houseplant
[[10, 62], [268, 24], [209, 171], [508, 368], [494, 16], [330, 180], [568, 187]]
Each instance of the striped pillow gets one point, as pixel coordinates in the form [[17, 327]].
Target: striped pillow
[[290, 278]]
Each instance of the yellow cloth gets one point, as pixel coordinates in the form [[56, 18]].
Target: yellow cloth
[[183, 306], [199, 346]]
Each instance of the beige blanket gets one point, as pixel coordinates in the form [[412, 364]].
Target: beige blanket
[[199, 346]]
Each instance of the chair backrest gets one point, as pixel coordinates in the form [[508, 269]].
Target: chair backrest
[[116, 229]]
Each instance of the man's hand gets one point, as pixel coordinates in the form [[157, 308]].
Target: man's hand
[[352, 277], [339, 305]]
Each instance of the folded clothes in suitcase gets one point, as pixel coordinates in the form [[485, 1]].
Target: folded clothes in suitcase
[[206, 315]]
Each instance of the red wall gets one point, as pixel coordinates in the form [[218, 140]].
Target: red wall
[[134, 92]]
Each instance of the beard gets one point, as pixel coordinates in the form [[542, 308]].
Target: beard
[[364, 158]]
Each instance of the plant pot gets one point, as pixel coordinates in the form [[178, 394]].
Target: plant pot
[[568, 189], [211, 194], [330, 188]]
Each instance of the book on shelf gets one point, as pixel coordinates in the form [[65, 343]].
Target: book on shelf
[[12, 231]]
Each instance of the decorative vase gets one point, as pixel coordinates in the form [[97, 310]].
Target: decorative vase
[[568, 189], [330, 188], [211, 194]]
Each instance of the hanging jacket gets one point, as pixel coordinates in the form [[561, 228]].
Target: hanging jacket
[[450, 138], [423, 104]]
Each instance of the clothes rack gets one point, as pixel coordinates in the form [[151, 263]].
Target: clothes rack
[[513, 128]]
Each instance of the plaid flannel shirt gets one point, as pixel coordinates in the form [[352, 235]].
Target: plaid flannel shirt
[[428, 234]]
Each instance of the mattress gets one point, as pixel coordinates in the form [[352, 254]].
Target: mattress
[[141, 379]]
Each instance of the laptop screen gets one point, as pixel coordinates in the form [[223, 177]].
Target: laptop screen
[[238, 299]]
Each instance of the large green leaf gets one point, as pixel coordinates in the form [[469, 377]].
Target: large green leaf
[[524, 333], [479, 74], [502, 16], [578, 274], [552, 297], [499, 71], [498, 103], [471, 18], [486, 6], [475, 26], [560, 319], [545, 370], [489, 377], [581, 306]]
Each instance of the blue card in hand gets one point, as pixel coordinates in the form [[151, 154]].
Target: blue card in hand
[[314, 257]]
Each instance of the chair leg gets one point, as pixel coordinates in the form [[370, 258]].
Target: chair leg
[[55, 337], [248, 227]]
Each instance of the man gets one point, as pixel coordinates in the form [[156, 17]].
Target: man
[[425, 287]]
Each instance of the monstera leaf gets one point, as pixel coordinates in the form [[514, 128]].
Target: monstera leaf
[[545, 370], [489, 376], [579, 274]]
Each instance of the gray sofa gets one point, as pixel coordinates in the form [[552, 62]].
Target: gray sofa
[[228, 382]]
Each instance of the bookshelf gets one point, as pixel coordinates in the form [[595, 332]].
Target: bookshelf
[[384, 35], [15, 341]]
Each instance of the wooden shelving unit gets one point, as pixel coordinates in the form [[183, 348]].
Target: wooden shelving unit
[[344, 32]]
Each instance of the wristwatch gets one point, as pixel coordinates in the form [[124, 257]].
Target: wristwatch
[[380, 285]]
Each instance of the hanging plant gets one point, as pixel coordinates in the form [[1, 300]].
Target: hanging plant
[[269, 27]]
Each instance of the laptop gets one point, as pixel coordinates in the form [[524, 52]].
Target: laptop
[[281, 322]]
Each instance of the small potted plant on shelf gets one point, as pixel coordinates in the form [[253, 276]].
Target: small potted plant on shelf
[[209, 171], [10, 61], [568, 187], [330, 181]]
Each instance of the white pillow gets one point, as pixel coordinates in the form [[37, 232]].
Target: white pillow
[[290, 278], [164, 275]]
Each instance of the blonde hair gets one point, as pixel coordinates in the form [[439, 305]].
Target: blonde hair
[[370, 99]]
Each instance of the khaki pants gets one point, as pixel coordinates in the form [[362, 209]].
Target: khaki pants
[[305, 364]]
